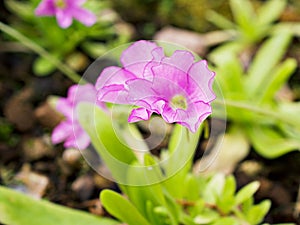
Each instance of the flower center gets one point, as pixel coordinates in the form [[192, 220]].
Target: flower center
[[179, 102], [60, 4]]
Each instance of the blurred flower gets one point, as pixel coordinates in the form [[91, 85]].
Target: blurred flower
[[176, 87], [69, 131], [65, 11]]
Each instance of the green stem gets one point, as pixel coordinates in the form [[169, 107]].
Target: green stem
[[42, 52], [256, 109]]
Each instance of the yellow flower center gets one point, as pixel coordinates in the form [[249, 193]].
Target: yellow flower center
[[60, 3], [179, 102]]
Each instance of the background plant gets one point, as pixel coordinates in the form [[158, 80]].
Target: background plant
[[79, 41]]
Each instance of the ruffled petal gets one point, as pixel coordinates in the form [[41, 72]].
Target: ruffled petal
[[194, 117], [45, 8], [113, 75], [203, 77], [138, 55], [113, 93], [181, 60], [84, 16], [139, 114], [64, 17]]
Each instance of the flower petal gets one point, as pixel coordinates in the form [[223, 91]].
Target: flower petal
[[114, 94], [79, 139], [84, 16], [82, 93], [113, 75], [61, 132], [195, 116], [65, 107], [139, 114], [64, 17], [181, 60], [169, 81], [203, 77], [138, 55], [45, 8]]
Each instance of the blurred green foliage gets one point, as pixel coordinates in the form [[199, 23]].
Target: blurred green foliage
[[72, 45]]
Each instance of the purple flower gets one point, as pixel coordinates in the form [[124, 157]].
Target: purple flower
[[176, 87], [65, 11], [69, 131]]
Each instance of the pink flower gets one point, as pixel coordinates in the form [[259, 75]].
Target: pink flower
[[69, 131], [65, 11], [176, 87]]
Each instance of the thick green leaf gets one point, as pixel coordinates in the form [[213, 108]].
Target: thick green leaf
[[257, 213], [219, 20], [105, 137], [246, 192], [19, 209], [121, 208], [214, 188], [270, 143], [266, 58], [276, 79], [270, 11], [245, 18], [227, 200], [243, 12], [227, 221]]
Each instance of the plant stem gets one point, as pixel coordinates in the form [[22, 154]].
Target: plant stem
[[42, 52]]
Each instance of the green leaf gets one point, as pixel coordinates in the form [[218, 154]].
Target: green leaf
[[269, 143], [42, 67], [191, 188], [179, 158], [214, 189], [19, 209], [257, 213], [266, 58], [23, 10], [105, 137], [94, 50], [227, 221], [219, 20], [277, 78], [270, 11], [246, 192], [245, 18], [227, 200], [243, 12], [121, 208]]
